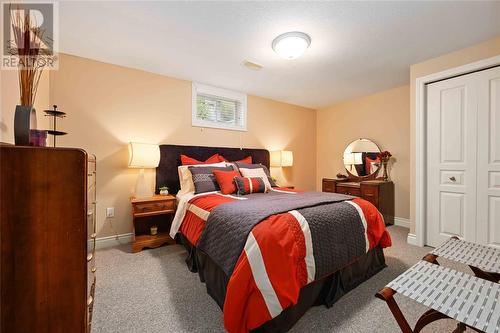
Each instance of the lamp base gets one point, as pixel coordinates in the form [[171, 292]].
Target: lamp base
[[142, 190]]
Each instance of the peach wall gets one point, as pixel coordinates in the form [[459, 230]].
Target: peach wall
[[109, 105], [458, 58], [383, 118]]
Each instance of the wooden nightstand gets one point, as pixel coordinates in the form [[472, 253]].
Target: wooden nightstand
[[157, 210]]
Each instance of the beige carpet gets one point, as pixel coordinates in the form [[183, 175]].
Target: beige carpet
[[153, 291]]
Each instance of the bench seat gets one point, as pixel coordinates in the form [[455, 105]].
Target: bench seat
[[470, 300]]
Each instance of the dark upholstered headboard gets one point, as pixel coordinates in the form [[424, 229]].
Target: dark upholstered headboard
[[167, 175]]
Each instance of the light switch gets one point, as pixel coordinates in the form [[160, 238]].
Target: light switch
[[110, 212]]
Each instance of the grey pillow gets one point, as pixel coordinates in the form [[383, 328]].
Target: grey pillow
[[204, 179], [257, 166]]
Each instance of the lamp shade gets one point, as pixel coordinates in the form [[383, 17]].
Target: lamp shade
[[281, 158], [143, 155], [348, 158], [358, 158]]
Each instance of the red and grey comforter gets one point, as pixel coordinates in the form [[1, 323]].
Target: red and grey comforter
[[271, 245]]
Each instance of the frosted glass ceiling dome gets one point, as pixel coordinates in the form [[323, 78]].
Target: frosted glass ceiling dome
[[291, 45]]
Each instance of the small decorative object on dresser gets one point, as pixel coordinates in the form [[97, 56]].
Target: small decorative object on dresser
[[163, 190], [384, 157], [156, 211], [27, 50], [47, 239], [55, 113]]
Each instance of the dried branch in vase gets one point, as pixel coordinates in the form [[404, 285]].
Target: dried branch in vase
[[27, 47]]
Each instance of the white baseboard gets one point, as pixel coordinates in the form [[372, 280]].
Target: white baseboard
[[110, 241], [411, 239], [402, 222]]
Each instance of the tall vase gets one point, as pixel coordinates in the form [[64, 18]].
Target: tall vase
[[386, 175], [24, 120]]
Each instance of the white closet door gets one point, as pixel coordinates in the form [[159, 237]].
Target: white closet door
[[451, 159], [488, 176]]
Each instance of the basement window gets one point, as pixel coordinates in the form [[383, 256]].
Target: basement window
[[218, 108]]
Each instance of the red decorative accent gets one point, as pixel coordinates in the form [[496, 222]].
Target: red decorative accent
[[384, 156], [225, 179], [246, 160], [186, 160]]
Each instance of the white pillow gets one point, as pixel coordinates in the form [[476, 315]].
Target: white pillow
[[258, 172], [186, 178]]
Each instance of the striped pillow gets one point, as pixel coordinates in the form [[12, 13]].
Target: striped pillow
[[257, 166], [248, 185]]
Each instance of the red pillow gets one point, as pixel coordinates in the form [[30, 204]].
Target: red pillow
[[246, 160], [225, 179], [186, 160]]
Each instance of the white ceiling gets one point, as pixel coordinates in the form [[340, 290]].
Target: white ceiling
[[357, 48]]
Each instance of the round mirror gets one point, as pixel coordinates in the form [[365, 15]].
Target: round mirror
[[361, 158]]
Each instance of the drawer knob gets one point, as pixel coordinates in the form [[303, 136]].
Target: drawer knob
[[453, 179], [93, 269]]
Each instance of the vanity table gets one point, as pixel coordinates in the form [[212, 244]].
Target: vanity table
[[379, 192], [362, 167]]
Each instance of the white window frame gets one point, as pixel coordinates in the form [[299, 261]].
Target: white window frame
[[223, 93]]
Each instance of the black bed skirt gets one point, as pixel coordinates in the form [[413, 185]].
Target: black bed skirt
[[322, 292]]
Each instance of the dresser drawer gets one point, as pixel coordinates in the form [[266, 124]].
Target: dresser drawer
[[348, 190], [149, 207], [328, 186], [371, 194]]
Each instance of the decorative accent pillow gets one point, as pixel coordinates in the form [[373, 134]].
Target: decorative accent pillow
[[256, 173], [186, 178], [204, 179], [257, 166], [186, 160], [246, 160], [248, 185], [225, 179]]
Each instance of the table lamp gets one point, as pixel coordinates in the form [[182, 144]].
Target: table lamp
[[143, 155], [281, 158]]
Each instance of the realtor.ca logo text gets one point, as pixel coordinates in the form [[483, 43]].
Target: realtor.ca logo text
[[29, 38]]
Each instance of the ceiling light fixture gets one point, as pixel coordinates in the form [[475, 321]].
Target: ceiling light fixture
[[291, 45]]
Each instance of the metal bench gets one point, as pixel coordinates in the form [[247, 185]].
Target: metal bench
[[474, 301]]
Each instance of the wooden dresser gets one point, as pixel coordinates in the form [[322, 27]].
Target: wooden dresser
[[47, 235], [379, 192]]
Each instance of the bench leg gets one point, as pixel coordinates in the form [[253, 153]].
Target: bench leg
[[427, 318], [460, 328], [387, 294], [432, 258], [493, 277]]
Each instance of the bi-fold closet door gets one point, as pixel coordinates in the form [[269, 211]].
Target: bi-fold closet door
[[463, 158]]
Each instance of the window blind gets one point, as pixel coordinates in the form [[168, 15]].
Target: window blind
[[217, 110]]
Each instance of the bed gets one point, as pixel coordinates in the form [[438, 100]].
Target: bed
[[266, 258]]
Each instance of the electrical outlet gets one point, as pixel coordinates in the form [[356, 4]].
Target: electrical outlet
[[110, 212]]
